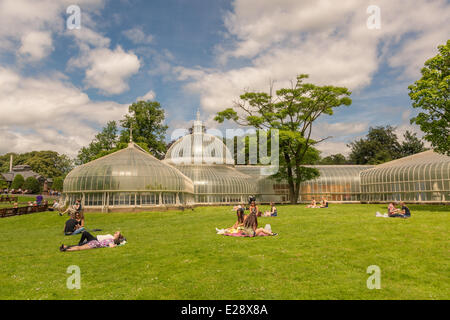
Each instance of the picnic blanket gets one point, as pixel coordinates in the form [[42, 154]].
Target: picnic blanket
[[235, 233], [377, 214]]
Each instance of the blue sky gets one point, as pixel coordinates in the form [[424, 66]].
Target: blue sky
[[58, 87]]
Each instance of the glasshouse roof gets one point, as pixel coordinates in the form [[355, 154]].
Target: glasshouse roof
[[199, 147], [129, 169]]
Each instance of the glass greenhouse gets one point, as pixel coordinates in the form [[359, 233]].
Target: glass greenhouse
[[423, 177], [199, 169], [339, 183], [130, 177]]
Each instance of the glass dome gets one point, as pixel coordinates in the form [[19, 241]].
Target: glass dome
[[199, 148], [423, 177], [130, 176], [219, 183]]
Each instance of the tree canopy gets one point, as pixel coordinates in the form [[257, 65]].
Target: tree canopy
[[17, 182], [431, 95], [382, 145], [49, 164], [145, 119], [334, 159], [292, 111], [31, 184]]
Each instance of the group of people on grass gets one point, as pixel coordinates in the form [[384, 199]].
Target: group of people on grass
[[247, 224], [76, 225], [394, 212], [322, 204]]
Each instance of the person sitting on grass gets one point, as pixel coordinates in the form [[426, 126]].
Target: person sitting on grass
[[253, 208], [251, 227], [88, 241], [405, 212], [324, 203], [74, 225], [240, 217], [272, 212], [393, 212], [78, 206], [312, 204], [71, 210]]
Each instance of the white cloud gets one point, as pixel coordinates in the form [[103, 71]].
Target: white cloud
[[29, 25], [329, 41], [328, 148], [137, 36], [107, 70], [47, 112], [148, 96], [36, 45]]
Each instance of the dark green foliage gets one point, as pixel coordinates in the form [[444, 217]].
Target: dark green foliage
[[31, 184], [431, 95], [58, 184], [17, 182], [411, 145], [48, 164], [146, 120], [381, 145], [334, 159]]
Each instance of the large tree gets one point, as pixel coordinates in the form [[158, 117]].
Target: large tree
[[49, 164], [292, 111], [382, 145], [431, 95], [31, 184], [334, 159], [145, 119], [411, 144], [104, 142]]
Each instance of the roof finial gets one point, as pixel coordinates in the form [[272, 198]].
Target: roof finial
[[198, 114]]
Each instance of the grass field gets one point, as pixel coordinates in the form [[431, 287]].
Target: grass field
[[318, 254], [22, 200]]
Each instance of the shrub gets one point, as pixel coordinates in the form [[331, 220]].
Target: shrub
[[17, 182], [58, 184], [32, 185]]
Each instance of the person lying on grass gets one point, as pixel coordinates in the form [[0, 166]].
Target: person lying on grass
[[251, 227], [88, 241], [272, 212]]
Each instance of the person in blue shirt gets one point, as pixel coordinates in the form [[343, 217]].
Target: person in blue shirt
[[39, 199], [406, 213]]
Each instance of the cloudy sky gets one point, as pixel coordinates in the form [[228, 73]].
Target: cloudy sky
[[59, 85]]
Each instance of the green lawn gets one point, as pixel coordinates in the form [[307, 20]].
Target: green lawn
[[22, 201], [318, 254]]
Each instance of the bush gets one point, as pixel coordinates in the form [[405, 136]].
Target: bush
[[31, 184], [17, 182], [58, 184]]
